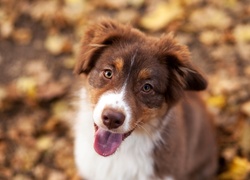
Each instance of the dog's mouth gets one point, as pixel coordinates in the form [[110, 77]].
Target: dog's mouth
[[106, 143]]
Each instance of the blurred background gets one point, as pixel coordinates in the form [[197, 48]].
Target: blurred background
[[39, 41]]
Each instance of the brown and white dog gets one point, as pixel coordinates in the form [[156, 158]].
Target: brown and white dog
[[138, 117]]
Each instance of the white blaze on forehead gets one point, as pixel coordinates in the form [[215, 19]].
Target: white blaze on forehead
[[115, 101]]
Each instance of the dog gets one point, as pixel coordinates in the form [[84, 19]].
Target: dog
[[139, 115]]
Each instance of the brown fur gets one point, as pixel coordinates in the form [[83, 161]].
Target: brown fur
[[188, 150]]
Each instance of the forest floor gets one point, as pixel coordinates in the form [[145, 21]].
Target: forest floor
[[39, 42]]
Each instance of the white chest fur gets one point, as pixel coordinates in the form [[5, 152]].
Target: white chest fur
[[133, 160]]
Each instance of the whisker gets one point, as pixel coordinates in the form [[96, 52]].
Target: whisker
[[140, 125]]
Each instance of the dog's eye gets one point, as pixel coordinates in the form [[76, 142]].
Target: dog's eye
[[108, 74], [147, 88]]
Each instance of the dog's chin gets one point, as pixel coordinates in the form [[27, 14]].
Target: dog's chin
[[106, 142]]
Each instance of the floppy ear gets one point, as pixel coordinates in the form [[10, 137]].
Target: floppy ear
[[183, 75], [96, 38]]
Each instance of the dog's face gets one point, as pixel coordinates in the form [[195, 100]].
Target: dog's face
[[132, 80]]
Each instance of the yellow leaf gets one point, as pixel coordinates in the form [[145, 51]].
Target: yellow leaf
[[27, 86], [218, 101], [238, 169], [242, 33], [73, 10], [209, 37], [44, 143], [162, 15], [57, 44], [69, 62], [209, 17]]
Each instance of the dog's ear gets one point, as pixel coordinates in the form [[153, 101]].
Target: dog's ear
[[183, 75], [96, 38]]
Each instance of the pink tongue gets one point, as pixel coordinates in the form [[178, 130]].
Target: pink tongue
[[106, 143]]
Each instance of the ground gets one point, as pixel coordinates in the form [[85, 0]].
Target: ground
[[39, 42]]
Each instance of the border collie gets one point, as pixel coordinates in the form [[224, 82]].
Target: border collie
[[139, 117]]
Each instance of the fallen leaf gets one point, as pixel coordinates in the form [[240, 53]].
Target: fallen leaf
[[111, 4], [58, 175], [69, 62], [244, 50], [229, 153], [39, 71], [21, 177], [22, 36], [209, 17], [136, 3], [242, 33], [127, 16], [162, 15], [24, 158], [190, 2], [27, 86], [44, 10], [51, 90], [210, 37], [6, 28], [245, 108], [3, 95], [61, 111], [57, 44], [39, 171], [218, 101], [44, 143], [73, 10], [247, 70], [245, 137], [239, 168]]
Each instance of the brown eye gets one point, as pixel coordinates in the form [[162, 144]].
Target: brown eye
[[108, 74], [147, 88]]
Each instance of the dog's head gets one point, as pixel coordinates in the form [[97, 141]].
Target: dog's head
[[132, 79]]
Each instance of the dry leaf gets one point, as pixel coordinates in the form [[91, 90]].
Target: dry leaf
[[111, 4], [6, 29], [162, 15], [218, 101], [247, 70], [57, 175], [3, 95], [21, 177], [57, 44], [210, 37], [242, 33], [239, 168], [27, 86], [136, 3], [69, 62], [44, 143], [244, 50], [22, 36], [245, 137], [37, 69], [127, 16], [24, 158], [245, 108], [44, 10], [51, 90], [61, 109], [209, 17], [74, 10]]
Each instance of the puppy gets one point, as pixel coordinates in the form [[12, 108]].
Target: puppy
[[139, 117]]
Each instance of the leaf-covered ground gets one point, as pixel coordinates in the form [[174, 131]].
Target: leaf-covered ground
[[39, 41]]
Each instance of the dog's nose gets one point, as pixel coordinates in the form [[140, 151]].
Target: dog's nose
[[112, 119]]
